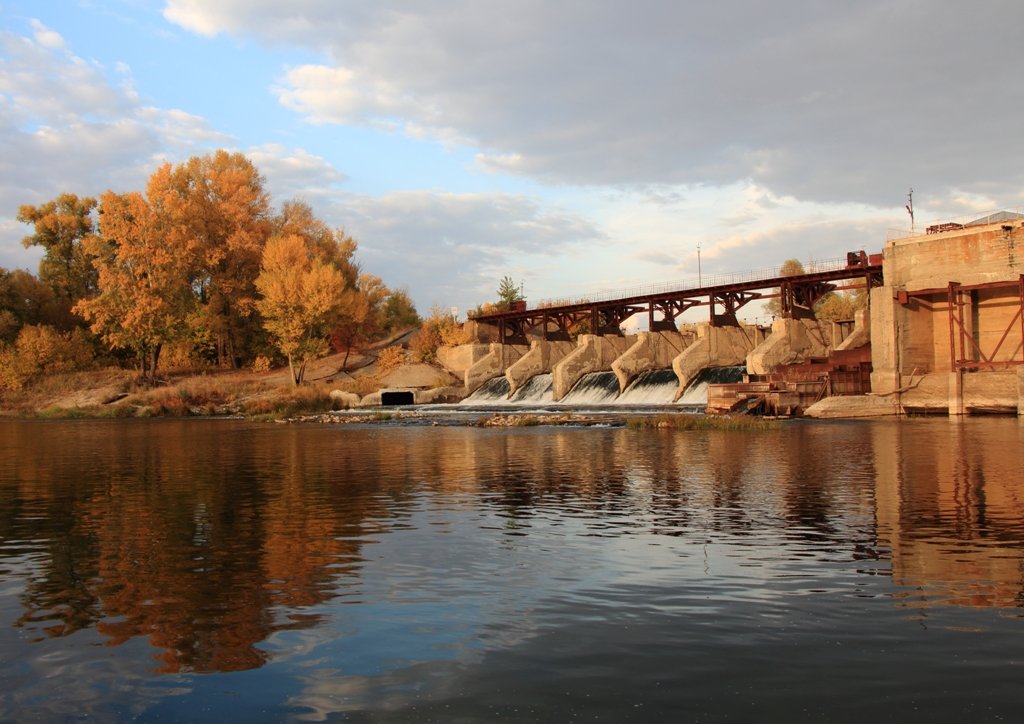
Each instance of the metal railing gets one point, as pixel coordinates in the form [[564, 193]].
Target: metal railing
[[704, 281], [893, 233]]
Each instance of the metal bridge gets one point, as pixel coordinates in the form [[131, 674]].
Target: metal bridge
[[604, 313]]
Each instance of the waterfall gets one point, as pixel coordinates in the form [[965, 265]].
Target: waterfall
[[654, 387], [537, 390], [696, 392], [492, 392], [596, 388]]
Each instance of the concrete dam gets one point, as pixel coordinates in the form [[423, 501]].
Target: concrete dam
[[943, 333]]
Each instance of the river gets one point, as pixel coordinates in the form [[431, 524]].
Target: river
[[216, 570]]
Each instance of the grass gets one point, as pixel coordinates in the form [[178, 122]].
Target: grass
[[701, 422]]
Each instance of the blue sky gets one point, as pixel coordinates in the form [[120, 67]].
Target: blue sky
[[574, 145]]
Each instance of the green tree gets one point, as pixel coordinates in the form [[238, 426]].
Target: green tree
[[301, 297], [25, 300], [509, 293], [399, 312]]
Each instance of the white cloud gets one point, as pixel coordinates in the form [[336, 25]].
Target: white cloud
[[295, 173], [47, 37], [452, 249]]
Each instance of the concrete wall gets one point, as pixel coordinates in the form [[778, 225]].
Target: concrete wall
[[861, 334], [539, 360], [593, 353], [651, 351], [493, 364], [714, 347], [910, 342], [460, 358], [791, 340]]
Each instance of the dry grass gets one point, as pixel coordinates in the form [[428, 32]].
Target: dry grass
[[701, 422]]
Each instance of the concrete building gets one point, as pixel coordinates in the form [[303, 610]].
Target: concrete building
[[947, 327]]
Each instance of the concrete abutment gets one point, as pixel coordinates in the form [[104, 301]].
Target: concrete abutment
[[714, 347], [651, 351], [593, 353], [540, 359]]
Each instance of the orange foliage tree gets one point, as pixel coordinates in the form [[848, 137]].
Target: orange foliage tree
[[216, 212], [300, 299], [144, 293]]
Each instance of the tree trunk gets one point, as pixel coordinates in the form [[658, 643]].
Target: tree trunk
[[297, 372]]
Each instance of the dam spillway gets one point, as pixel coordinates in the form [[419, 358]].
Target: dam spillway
[[598, 389]]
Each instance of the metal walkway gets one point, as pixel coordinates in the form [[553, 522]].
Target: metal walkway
[[604, 313]]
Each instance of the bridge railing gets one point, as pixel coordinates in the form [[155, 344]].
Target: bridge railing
[[704, 281]]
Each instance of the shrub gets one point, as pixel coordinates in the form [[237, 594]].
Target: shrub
[[439, 329], [42, 350], [390, 358], [261, 364]]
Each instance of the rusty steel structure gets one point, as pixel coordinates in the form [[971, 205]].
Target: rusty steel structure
[[965, 350], [797, 295]]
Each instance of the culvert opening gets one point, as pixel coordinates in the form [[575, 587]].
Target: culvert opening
[[397, 398]]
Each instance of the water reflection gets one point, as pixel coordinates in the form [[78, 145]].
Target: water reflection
[[220, 543]]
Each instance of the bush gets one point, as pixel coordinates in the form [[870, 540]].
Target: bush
[[389, 359], [439, 329], [261, 364], [42, 350]]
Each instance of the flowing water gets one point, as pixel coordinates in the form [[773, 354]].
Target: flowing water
[[231, 571], [599, 389]]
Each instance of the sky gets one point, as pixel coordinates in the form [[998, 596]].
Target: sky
[[576, 146]]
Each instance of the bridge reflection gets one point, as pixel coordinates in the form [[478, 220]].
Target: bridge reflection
[[206, 539]]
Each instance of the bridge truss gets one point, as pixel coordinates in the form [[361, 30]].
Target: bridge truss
[[797, 294]]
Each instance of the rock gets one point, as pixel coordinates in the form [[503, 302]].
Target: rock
[[347, 399], [421, 376]]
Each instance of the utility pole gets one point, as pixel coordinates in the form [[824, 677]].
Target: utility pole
[[910, 208]]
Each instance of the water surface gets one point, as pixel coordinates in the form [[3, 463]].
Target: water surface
[[221, 570]]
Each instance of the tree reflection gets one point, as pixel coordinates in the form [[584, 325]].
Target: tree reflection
[[205, 538]]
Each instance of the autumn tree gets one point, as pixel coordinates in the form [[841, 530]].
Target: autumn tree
[[789, 268], [61, 227], [144, 295], [300, 299], [215, 210], [360, 318], [841, 306]]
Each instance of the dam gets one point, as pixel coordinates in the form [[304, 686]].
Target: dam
[[942, 333]]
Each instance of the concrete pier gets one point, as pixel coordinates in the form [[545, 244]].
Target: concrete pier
[[791, 340], [593, 353], [651, 351], [543, 355], [493, 364], [714, 347]]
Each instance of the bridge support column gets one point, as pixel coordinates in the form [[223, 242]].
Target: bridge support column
[[791, 340], [714, 347], [539, 360], [493, 364], [593, 353], [651, 351]]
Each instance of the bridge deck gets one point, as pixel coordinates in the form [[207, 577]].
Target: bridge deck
[[798, 294]]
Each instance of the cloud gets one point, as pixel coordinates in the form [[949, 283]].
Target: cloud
[[295, 173], [66, 126], [452, 249], [823, 101]]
